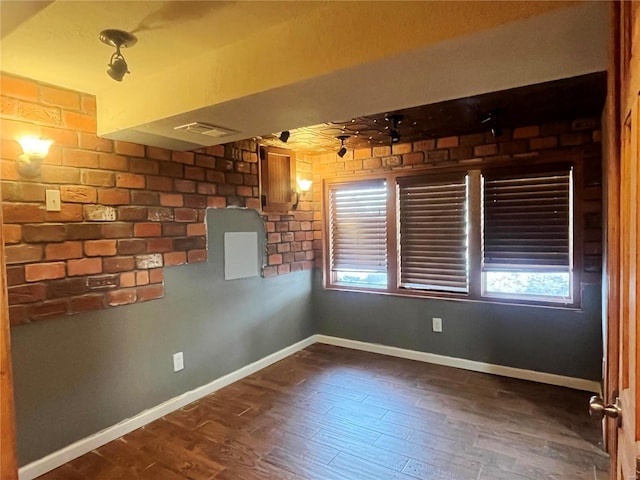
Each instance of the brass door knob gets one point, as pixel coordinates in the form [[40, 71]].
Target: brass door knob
[[598, 409]]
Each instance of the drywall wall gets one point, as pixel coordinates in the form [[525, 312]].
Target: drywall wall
[[77, 375], [553, 340]]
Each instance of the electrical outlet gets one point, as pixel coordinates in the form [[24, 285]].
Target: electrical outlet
[[437, 324], [53, 200], [178, 362]]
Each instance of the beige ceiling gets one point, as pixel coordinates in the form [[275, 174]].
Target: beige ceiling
[[262, 67]]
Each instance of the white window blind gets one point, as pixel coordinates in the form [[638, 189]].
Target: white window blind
[[527, 221], [433, 233], [358, 229]]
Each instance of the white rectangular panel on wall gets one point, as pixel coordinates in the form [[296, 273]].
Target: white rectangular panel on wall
[[240, 255]]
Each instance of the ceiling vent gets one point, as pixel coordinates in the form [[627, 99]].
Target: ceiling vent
[[205, 129]]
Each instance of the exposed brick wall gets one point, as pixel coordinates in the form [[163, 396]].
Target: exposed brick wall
[[474, 150], [128, 211]]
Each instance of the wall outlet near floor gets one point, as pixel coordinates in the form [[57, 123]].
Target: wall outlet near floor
[[178, 362], [437, 324]]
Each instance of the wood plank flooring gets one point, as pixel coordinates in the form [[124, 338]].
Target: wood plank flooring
[[328, 413]]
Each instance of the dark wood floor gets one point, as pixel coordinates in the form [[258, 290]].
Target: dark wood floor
[[332, 413]]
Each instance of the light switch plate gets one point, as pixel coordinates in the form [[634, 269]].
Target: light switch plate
[[178, 362], [53, 200], [437, 324]]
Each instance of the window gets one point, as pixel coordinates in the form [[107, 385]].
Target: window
[[527, 234], [358, 253], [504, 235], [433, 233]]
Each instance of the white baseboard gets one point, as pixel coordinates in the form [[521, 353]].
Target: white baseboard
[[540, 377], [70, 452]]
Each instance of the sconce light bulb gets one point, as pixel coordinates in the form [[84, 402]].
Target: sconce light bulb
[[304, 185], [35, 147]]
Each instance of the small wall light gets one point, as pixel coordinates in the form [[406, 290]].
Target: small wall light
[[304, 186], [343, 150], [34, 150]]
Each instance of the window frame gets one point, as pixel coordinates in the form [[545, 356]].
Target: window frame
[[474, 171]]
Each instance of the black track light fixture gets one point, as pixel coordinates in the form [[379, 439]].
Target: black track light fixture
[[343, 150], [284, 136], [492, 120], [118, 67], [394, 133]]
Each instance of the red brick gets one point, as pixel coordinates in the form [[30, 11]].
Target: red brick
[[60, 137], [145, 198], [175, 258], [186, 158], [216, 202], [485, 150], [132, 246], [171, 169], [254, 203], [205, 161], [121, 297], [150, 292], [282, 269], [44, 271], [11, 234], [78, 194], [194, 173], [195, 201], [186, 215], [216, 150], [448, 142], [214, 177], [196, 256], [541, 143], [174, 229], [22, 213], [90, 141], [142, 278], [128, 279], [41, 114], [185, 186], [87, 303], [84, 266], [117, 264], [147, 229], [144, 166], [244, 191], [159, 245], [171, 199], [93, 248], [159, 183], [117, 230], [371, 163], [127, 148], [156, 275], [113, 162], [196, 229], [381, 151], [269, 272], [98, 178], [275, 259], [27, 293], [23, 253], [413, 158], [18, 87], [132, 214], [79, 121], [69, 212], [59, 97], [158, 153], [113, 196], [130, 180], [43, 233], [526, 132], [63, 251], [51, 309], [80, 158]]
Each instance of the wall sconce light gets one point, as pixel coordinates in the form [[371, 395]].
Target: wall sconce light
[[118, 67], [492, 119], [343, 150], [34, 150], [304, 186]]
